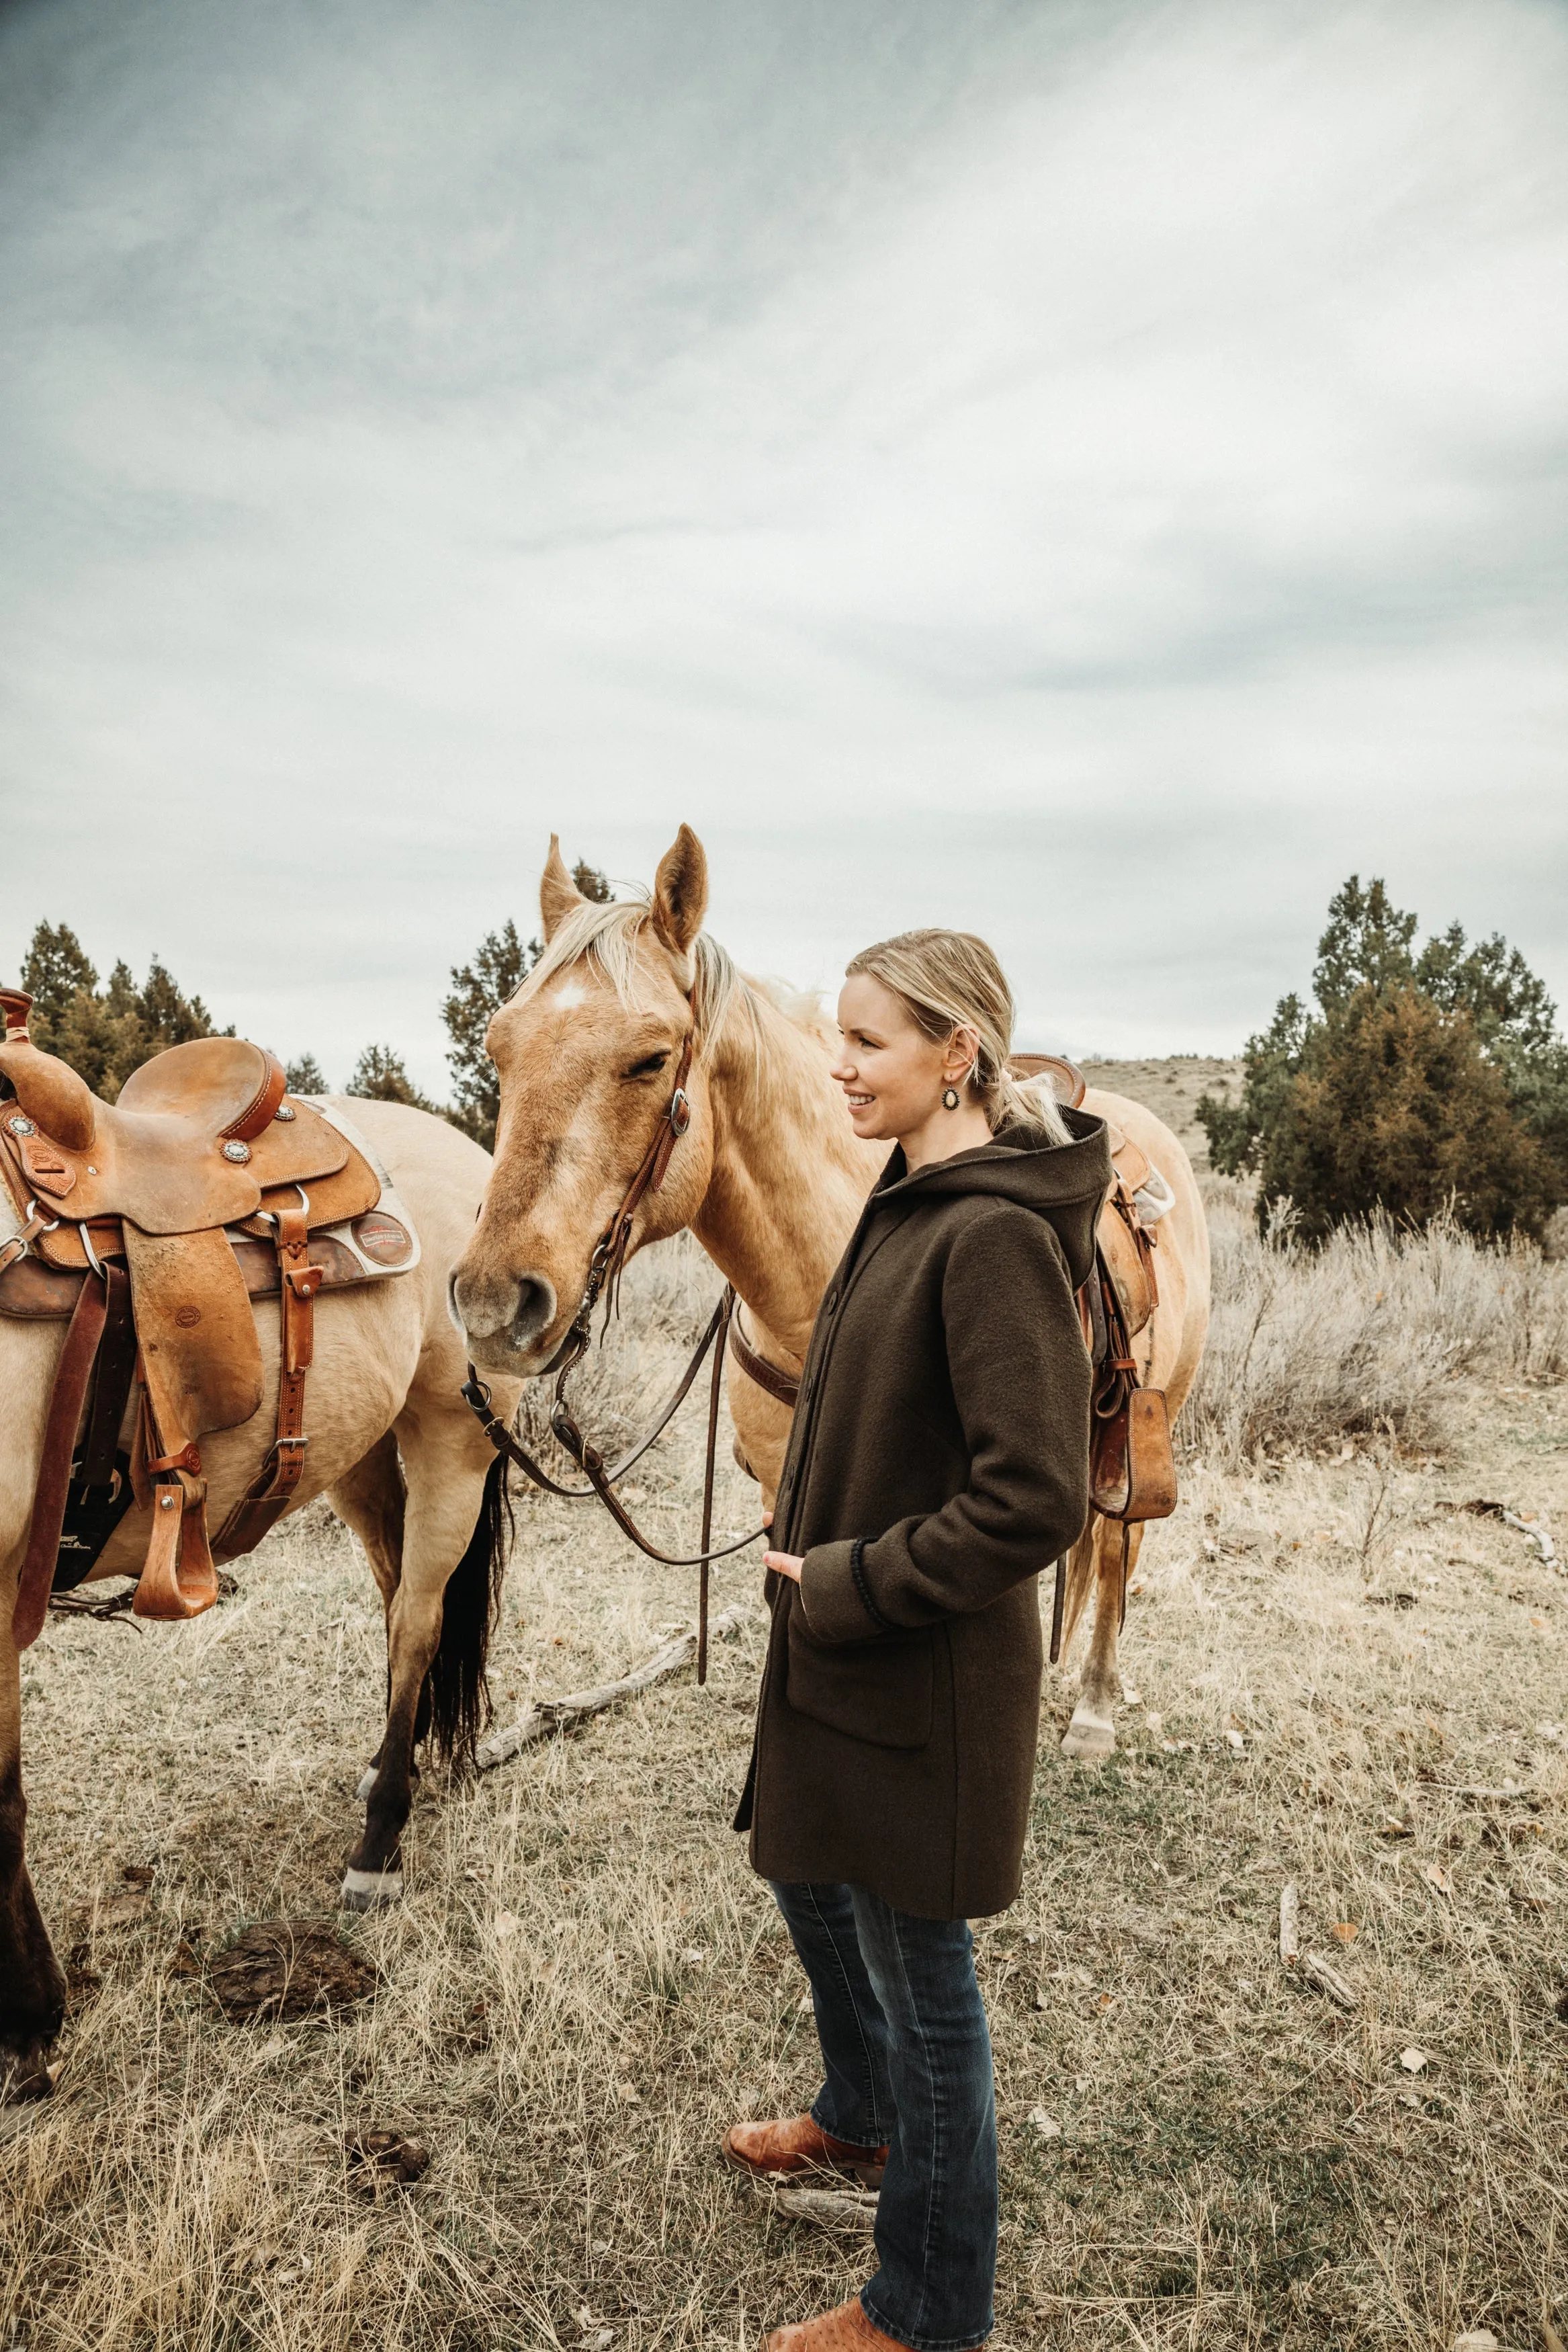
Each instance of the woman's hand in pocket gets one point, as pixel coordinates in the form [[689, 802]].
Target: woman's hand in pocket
[[782, 1563]]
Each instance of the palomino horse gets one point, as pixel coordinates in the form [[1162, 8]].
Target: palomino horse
[[400, 1458], [767, 1175]]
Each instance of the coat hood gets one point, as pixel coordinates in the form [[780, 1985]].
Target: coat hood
[[1065, 1183]]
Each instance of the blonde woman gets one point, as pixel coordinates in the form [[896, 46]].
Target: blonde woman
[[937, 1463]]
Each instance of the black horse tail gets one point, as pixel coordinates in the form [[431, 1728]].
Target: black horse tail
[[458, 1687]]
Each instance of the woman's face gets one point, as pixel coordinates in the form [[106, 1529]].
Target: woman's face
[[891, 1073]]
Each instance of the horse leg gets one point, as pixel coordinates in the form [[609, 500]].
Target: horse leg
[[1092, 1730], [370, 1498], [438, 1625], [32, 1988]]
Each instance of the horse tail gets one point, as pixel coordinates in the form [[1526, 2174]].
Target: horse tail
[[458, 1685]]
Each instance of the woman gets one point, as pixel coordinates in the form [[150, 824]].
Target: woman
[[937, 1463]]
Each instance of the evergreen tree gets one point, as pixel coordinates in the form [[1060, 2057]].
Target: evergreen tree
[[501, 963], [1395, 1107], [304, 1076], [104, 1034], [53, 970], [1419, 1079], [380, 1077]]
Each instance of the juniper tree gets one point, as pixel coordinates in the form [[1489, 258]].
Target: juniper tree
[[1420, 1080]]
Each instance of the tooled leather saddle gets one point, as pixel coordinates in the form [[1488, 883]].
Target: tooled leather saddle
[[152, 1223]]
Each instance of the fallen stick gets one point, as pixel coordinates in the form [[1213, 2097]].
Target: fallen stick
[[1534, 1532], [853, 2210], [550, 1715], [1290, 1923], [1328, 1980]]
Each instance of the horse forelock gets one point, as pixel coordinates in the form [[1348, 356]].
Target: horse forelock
[[608, 937]]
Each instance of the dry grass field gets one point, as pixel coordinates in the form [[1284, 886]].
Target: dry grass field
[[1343, 1682]]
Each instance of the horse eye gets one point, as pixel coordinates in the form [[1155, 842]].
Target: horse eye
[[649, 1066]]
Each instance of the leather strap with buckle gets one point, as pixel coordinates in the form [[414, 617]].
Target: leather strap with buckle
[[270, 1494]]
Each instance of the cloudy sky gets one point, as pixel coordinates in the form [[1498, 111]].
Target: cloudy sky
[[1085, 470]]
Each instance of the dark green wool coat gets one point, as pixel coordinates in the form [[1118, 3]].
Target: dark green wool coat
[[938, 1461]]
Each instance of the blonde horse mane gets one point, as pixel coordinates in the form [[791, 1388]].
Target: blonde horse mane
[[607, 935]]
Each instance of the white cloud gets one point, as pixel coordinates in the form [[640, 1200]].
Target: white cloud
[[1094, 476]]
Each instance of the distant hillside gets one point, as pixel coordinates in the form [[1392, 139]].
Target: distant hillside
[[1170, 1089]]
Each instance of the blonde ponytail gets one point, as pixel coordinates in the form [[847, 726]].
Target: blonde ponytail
[[951, 980]]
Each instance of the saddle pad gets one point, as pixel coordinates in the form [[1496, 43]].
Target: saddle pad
[[200, 1351]]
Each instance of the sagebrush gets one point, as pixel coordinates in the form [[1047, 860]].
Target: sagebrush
[[1371, 1332]]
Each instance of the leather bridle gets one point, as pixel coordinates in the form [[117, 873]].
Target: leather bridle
[[605, 1271]]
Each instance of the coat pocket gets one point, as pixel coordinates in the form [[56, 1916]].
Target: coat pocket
[[880, 1691]]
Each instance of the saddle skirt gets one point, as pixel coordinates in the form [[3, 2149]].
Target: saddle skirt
[[152, 1223]]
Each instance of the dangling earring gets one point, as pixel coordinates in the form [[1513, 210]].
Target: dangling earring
[[949, 1097]]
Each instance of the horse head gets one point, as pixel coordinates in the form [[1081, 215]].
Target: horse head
[[589, 1053]]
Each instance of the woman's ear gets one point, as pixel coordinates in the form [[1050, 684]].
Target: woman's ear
[[963, 1051], [558, 894], [680, 892]]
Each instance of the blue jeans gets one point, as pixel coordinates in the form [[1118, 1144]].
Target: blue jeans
[[908, 2058]]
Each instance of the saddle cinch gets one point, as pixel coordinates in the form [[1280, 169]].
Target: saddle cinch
[[152, 1224]]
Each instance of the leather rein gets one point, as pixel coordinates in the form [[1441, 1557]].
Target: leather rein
[[605, 1271]]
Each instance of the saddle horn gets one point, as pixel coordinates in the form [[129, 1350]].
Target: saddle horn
[[46, 1090]]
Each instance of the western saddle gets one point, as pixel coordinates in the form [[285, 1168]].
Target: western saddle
[[152, 1223]]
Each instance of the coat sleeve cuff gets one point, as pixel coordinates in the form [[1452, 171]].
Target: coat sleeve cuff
[[835, 1596]]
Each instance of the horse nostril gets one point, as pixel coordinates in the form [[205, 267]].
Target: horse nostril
[[534, 1308]]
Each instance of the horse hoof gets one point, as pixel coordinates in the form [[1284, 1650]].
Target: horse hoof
[[1089, 1735], [367, 1782], [370, 1890]]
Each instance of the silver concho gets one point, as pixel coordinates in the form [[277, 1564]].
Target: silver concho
[[237, 1150], [20, 1126], [286, 1111]]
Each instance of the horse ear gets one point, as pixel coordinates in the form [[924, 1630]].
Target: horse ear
[[680, 891], [558, 894]]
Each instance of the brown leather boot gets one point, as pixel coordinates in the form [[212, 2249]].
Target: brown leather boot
[[847, 2329], [796, 2144]]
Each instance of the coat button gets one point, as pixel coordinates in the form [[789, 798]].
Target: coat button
[[830, 1301]]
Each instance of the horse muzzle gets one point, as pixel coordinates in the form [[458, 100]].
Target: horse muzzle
[[504, 1321]]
